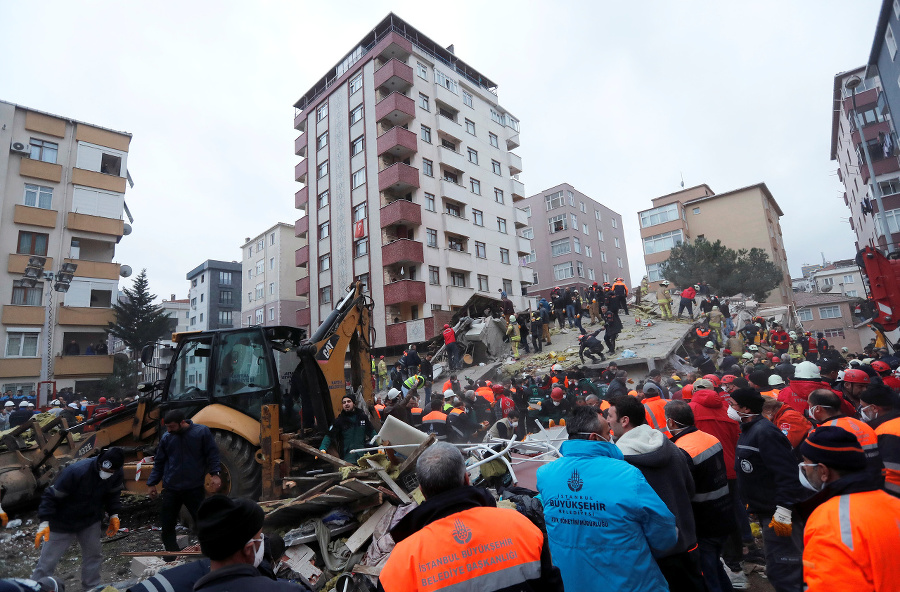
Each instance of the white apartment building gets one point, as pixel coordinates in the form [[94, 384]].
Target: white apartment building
[[180, 313], [841, 277], [270, 277], [62, 190], [409, 185]]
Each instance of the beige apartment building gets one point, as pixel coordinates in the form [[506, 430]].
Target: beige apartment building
[[270, 277], [409, 185], [742, 219], [63, 198]]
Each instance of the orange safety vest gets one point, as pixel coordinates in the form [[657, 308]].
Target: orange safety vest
[[379, 409], [792, 424], [476, 549], [621, 284], [448, 386], [435, 423], [486, 393], [852, 539], [654, 409], [888, 435], [772, 394], [415, 415]]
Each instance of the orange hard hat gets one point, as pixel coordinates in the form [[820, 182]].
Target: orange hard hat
[[687, 392]]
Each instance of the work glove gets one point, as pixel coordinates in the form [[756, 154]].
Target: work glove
[[781, 522], [114, 524], [43, 534], [4, 519]]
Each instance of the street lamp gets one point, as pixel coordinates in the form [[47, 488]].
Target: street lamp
[[851, 84]]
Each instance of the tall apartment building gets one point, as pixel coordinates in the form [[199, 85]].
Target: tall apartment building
[[742, 219], [215, 295], [179, 313], [575, 241], [62, 189], [268, 266], [408, 184], [872, 122]]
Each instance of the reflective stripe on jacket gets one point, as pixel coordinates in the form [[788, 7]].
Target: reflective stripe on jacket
[[711, 502], [888, 435], [867, 439], [435, 423], [654, 409]]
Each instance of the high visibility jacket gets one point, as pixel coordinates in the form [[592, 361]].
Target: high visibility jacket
[[888, 435], [448, 386], [792, 424], [435, 423], [382, 368], [379, 409], [486, 393], [711, 502], [415, 416], [663, 296], [867, 439], [554, 379], [654, 409], [702, 333], [449, 335], [414, 381], [620, 285], [813, 345], [850, 543], [772, 394]]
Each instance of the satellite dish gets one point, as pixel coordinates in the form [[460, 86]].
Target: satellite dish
[[126, 230], [125, 271], [827, 288]]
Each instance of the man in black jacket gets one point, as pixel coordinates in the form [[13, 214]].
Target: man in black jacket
[[613, 328], [591, 345], [459, 537], [72, 508], [618, 386]]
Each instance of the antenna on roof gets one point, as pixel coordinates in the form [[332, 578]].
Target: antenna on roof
[[682, 180]]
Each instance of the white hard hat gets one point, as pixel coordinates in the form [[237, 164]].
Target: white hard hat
[[73, 406], [55, 402], [23, 404], [449, 393], [9, 404], [775, 380], [807, 370], [30, 404], [556, 367], [393, 394], [710, 345], [512, 318], [747, 356], [753, 348], [792, 335]]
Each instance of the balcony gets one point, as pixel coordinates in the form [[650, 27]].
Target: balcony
[[23, 315], [303, 317], [457, 225], [398, 142], [404, 291], [96, 224], [515, 164], [300, 171], [103, 181], [35, 216], [20, 368], [301, 199], [303, 286], [395, 108], [301, 256], [397, 47], [526, 274], [401, 211], [301, 227], [37, 169], [458, 296], [461, 260], [863, 99], [402, 251], [523, 246], [449, 128], [451, 190], [300, 122], [82, 365], [871, 131], [394, 76], [518, 190], [398, 177], [17, 263], [521, 218], [882, 167], [95, 269], [95, 317], [452, 159], [300, 145], [512, 142]]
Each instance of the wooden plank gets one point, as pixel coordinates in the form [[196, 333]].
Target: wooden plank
[[359, 487], [160, 553], [345, 492], [410, 461], [338, 462], [389, 495], [364, 532], [366, 503], [390, 482], [367, 570]]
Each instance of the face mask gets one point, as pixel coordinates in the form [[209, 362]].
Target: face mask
[[514, 424], [258, 557], [865, 415], [803, 480], [733, 414], [105, 475], [556, 403]]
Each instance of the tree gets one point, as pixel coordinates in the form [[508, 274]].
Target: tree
[[138, 320], [753, 275]]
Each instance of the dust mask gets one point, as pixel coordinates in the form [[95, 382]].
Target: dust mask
[[804, 481], [258, 557], [514, 424], [556, 403], [105, 475], [865, 415], [733, 414]]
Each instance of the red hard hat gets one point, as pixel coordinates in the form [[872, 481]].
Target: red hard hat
[[687, 392], [856, 376], [102, 400], [498, 389], [713, 379], [879, 366], [728, 378], [446, 326], [557, 394], [770, 355], [731, 334], [776, 359]]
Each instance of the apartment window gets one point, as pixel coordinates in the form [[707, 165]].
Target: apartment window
[[431, 237], [434, 275], [225, 317], [425, 133], [194, 283], [597, 215], [527, 210], [423, 102], [20, 344], [260, 267], [579, 269], [359, 178], [361, 247], [271, 313], [571, 197], [322, 112], [574, 222], [613, 222], [584, 228], [495, 166], [492, 138], [467, 100], [356, 115], [193, 321], [448, 144], [849, 279], [225, 278], [501, 225], [583, 209], [26, 296], [456, 243], [616, 242], [325, 295], [805, 314], [889, 39], [554, 200], [323, 199], [587, 251], [475, 184], [451, 177], [322, 141], [324, 262], [451, 115], [43, 150], [591, 275], [473, 156], [458, 279], [422, 70], [853, 293], [695, 211], [480, 250], [249, 275], [429, 202], [828, 281], [38, 196], [528, 233], [272, 239], [603, 256], [659, 215], [427, 167], [272, 263], [653, 272], [271, 288], [576, 244], [498, 195], [482, 283], [558, 223], [356, 83], [662, 242], [201, 317], [357, 145], [563, 271], [454, 209], [446, 82], [324, 229], [504, 256], [322, 169], [619, 261], [260, 292], [470, 126], [829, 312], [600, 235], [32, 243], [496, 117], [507, 286], [201, 297], [226, 297], [478, 217], [531, 257], [560, 247], [364, 280], [606, 277], [897, 8]]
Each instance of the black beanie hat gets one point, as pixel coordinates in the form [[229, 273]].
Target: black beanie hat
[[835, 448], [111, 460], [225, 524], [878, 394], [749, 398]]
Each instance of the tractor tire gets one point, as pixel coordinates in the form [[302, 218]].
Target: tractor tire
[[241, 475]]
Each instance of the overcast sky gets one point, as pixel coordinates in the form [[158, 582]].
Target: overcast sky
[[618, 98]]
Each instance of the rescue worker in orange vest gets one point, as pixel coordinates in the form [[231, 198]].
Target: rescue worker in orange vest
[[621, 291], [453, 384], [888, 435], [810, 347], [654, 408], [459, 539], [791, 423], [850, 540], [460, 425], [485, 392], [436, 420], [825, 410], [878, 404]]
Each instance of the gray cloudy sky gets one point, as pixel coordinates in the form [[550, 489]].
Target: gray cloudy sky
[[617, 98]]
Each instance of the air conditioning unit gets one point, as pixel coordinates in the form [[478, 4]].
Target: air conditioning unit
[[19, 148]]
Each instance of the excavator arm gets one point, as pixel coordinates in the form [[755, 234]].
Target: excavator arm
[[883, 305]]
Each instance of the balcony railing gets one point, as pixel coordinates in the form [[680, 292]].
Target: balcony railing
[[404, 291], [401, 211], [402, 251]]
